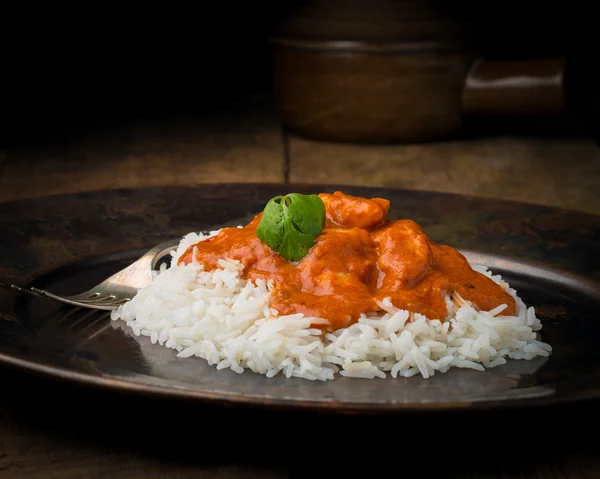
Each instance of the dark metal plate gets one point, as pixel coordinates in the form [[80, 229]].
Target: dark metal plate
[[69, 243]]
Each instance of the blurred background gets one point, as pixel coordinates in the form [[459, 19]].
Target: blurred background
[[493, 99]]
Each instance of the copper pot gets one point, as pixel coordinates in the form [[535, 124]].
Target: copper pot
[[403, 71]]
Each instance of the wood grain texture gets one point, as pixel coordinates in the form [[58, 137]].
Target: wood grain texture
[[554, 172], [185, 152]]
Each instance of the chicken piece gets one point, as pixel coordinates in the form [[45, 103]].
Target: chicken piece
[[352, 211], [340, 256], [405, 255]]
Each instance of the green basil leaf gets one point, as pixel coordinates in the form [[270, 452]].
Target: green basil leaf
[[290, 224], [307, 213], [270, 228]]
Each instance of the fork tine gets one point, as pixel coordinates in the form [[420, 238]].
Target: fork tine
[[117, 301], [69, 300], [96, 299], [88, 295], [26, 291], [108, 301]]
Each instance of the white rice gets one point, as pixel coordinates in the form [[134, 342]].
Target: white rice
[[225, 320]]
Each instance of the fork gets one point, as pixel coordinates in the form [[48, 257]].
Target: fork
[[118, 288], [123, 285]]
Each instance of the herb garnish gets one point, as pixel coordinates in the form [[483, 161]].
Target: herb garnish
[[291, 223]]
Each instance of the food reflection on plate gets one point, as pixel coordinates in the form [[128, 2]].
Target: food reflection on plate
[[509, 381], [317, 286]]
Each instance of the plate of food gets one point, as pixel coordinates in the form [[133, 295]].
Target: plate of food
[[332, 298]]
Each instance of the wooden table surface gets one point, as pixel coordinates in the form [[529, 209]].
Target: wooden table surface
[[43, 435], [248, 145]]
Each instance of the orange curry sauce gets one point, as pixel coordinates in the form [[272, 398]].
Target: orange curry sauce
[[359, 258]]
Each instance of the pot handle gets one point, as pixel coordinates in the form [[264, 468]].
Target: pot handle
[[515, 87]]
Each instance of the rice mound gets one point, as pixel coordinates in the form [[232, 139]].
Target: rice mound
[[226, 320]]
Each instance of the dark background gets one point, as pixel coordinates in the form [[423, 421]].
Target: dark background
[[76, 67]]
